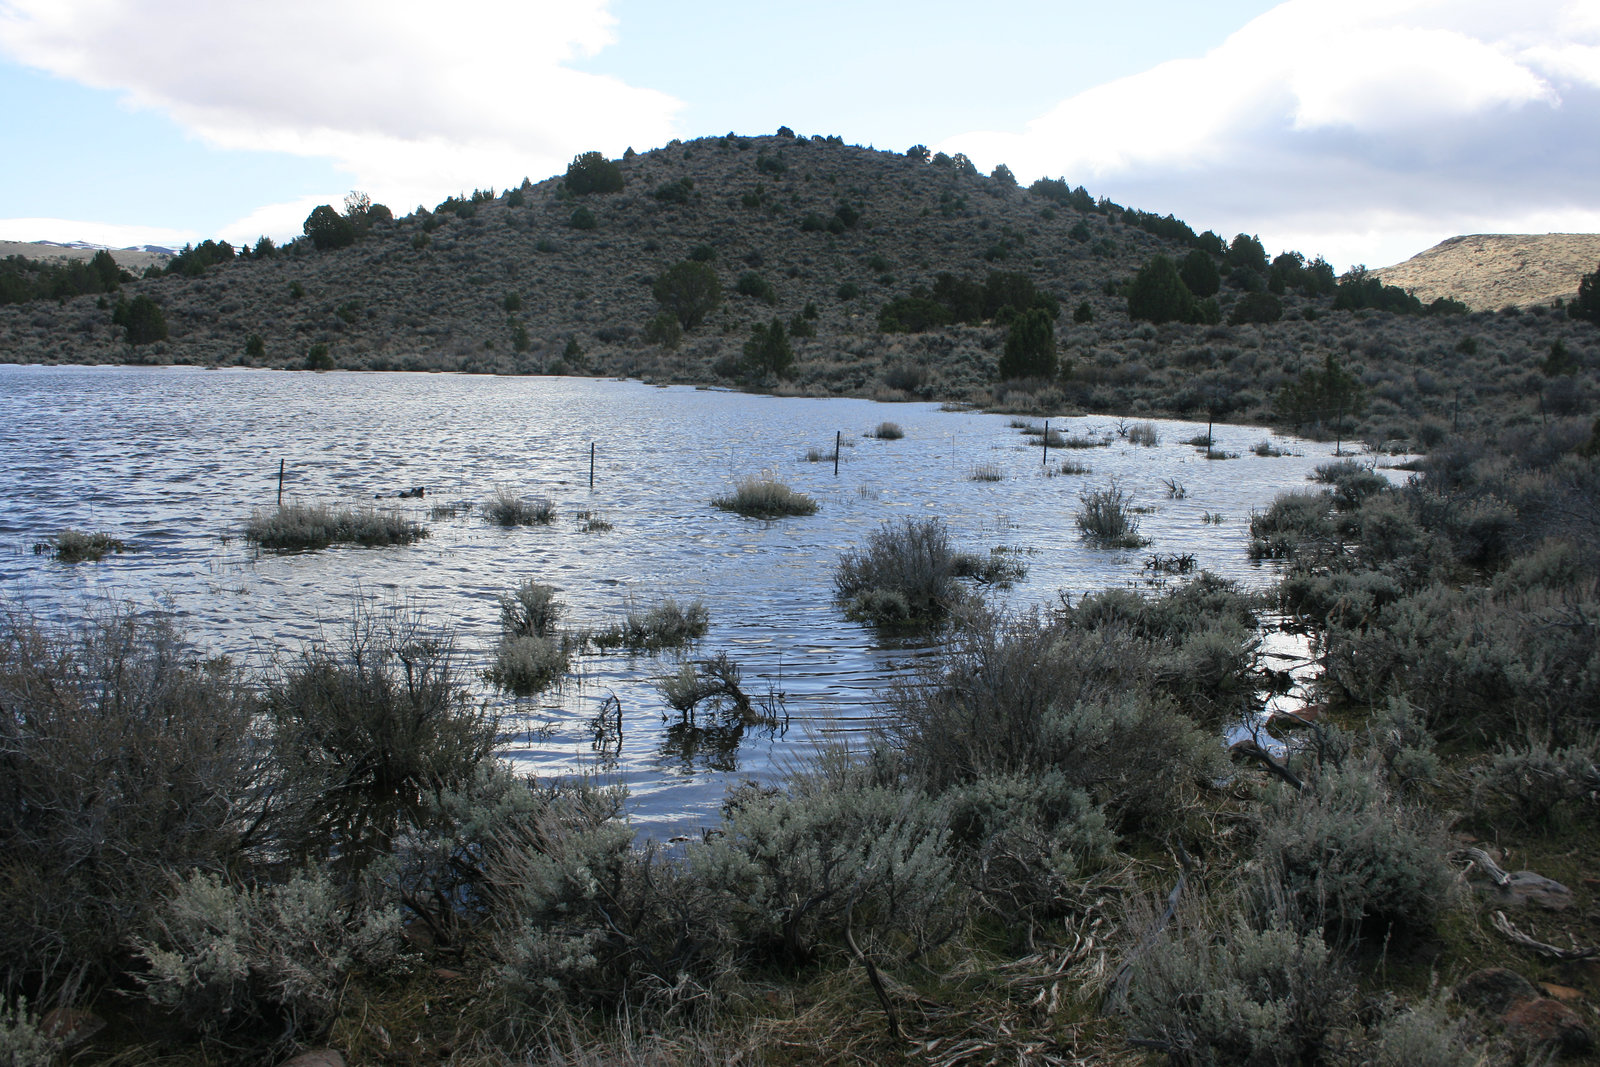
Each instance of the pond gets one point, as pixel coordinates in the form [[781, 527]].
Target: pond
[[174, 460]]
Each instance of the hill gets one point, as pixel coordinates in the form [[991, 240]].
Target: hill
[[820, 235], [127, 258], [1489, 271]]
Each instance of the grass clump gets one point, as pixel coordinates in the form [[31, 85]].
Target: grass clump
[[508, 509], [666, 624], [1080, 441], [906, 575], [888, 431], [1108, 518], [765, 498], [988, 472], [298, 526], [1144, 434], [75, 546], [532, 652]]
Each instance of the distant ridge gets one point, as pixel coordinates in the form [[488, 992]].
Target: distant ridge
[[134, 258], [1489, 271]]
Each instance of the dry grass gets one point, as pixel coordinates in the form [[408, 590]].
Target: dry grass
[[75, 546], [506, 508]]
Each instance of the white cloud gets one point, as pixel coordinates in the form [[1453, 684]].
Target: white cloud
[[1364, 130], [415, 100]]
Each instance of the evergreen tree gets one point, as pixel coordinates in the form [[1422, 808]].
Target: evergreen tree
[[1158, 293], [142, 319], [592, 172], [688, 290], [1587, 305], [1199, 272], [1030, 346], [767, 353], [329, 229]]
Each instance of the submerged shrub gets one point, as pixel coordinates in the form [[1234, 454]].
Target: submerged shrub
[[1107, 518], [370, 723], [75, 546], [297, 526], [905, 575], [273, 958], [765, 498], [532, 651], [662, 625], [508, 509]]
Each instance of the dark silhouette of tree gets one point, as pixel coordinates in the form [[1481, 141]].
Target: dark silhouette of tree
[[1030, 346], [1587, 305], [142, 319], [329, 229], [1158, 294], [1246, 251], [1003, 175], [1256, 307], [1199, 273], [768, 351], [688, 290], [593, 173]]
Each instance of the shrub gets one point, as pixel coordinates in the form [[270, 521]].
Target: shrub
[[23, 1041], [663, 329], [754, 285], [764, 498], [839, 851], [1256, 307], [905, 575], [367, 725], [509, 509], [1199, 273], [296, 526], [274, 958], [592, 172], [1241, 996], [688, 290], [1541, 781], [124, 757], [1158, 294], [1291, 519], [1349, 854], [888, 431], [1065, 705], [1107, 518], [662, 625], [583, 219], [526, 664], [988, 472], [1144, 434], [75, 546]]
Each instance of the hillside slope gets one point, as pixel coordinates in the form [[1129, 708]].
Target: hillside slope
[[510, 285], [1489, 271]]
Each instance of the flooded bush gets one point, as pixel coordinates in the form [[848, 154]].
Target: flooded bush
[[1021, 698], [765, 498], [1107, 518], [75, 546], [988, 472], [124, 757], [1144, 434], [1293, 518], [666, 624], [273, 959], [532, 652], [905, 576], [508, 509], [298, 526], [888, 431], [999, 567], [368, 723]]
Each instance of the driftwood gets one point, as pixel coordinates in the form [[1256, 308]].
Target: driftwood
[[1516, 936], [1249, 747], [1485, 863], [1117, 995]]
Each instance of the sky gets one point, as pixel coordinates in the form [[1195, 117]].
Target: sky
[[1361, 130]]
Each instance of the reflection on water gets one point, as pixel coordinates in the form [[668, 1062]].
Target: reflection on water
[[173, 460]]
